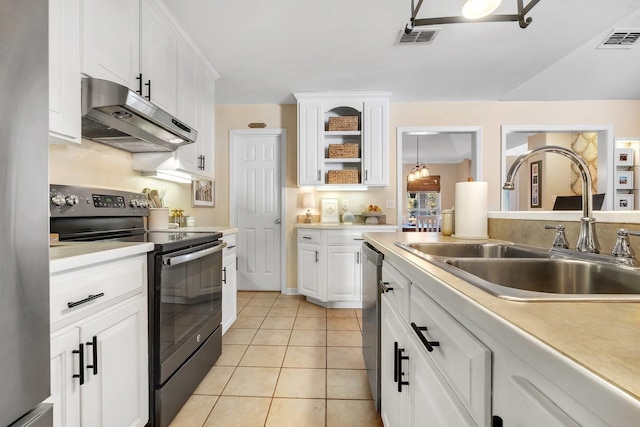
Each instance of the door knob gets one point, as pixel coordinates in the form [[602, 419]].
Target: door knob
[[277, 221]]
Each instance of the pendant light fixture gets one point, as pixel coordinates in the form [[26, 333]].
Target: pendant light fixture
[[474, 11], [420, 170]]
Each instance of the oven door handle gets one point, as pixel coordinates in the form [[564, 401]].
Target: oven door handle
[[181, 259]]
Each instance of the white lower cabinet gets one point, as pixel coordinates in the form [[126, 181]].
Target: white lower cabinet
[[330, 264], [229, 283], [99, 360], [433, 371]]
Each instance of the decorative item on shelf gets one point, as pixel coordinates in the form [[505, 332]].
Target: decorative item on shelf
[[308, 202], [624, 157], [343, 123], [177, 217], [257, 125], [624, 202], [624, 180]]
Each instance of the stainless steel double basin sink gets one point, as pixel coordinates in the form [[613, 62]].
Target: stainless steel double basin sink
[[524, 273]]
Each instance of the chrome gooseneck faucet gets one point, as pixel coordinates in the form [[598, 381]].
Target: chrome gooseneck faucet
[[587, 241]]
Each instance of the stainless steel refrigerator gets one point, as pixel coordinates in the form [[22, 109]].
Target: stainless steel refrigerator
[[24, 221]]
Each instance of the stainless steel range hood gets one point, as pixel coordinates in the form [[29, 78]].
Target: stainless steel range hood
[[113, 114]]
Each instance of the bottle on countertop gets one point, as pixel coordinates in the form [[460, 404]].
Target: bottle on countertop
[[447, 225]]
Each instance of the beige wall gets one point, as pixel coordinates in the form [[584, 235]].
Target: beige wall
[[95, 164]]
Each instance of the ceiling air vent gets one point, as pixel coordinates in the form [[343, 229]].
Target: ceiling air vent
[[415, 36], [621, 39]]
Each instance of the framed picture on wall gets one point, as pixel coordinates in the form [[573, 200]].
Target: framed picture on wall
[[624, 202], [203, 194], [624, 179], [329, 211], [624, 157], [536, 184]]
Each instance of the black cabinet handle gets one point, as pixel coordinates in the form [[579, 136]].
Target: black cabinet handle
[[139, 79], [224, 275], [358, 238], [204, 158], [399, 358], [428, 344], [80, 353], [148, 85], [384, 286], [306, 237], [94, 350], [231, 247], [86, 300], [395, 362]]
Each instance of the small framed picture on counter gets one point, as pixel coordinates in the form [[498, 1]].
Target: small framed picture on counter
[[330, 211]]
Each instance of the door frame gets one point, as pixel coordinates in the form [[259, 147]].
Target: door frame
[[233, 179]]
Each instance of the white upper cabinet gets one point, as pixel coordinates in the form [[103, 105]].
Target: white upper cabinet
[[64, 76], [158, 58], [343, 139], [110, 41]]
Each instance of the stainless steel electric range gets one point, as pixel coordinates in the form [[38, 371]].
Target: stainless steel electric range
[[185, 287]]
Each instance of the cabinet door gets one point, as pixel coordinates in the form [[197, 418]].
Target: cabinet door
[[229, 291], [64, 71], [344, 276], [431, 400], [392, 340], [309, 270], [159, 58], [205, 144], [310, 143], [117, 395], [65, 389], [110, 40], [376, 142]]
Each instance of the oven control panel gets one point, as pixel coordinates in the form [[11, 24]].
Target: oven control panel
[[76, 201]]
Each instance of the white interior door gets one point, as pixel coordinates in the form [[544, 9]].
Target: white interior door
[[257, 196]]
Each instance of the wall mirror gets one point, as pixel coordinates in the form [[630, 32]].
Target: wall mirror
[[450, 154], [548, 180]]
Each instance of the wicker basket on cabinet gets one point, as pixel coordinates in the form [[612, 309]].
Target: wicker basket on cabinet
[[346, 176], [344, 151], [343, 123]]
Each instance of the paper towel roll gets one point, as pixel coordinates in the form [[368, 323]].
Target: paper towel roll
[[471, 210]]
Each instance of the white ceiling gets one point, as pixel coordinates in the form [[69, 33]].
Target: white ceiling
[[265, 50]]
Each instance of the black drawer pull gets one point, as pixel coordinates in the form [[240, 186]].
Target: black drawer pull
[[83, 301], [224, 275], [358, 238], [384, 286], [94, 347], [399, 358], [395, 362], [80, 353], [231, 247], [428, 344], [306, 237]]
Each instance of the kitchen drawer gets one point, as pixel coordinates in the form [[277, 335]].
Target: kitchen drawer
[[309, 236], [230, 240], [463, 360], [398, 288], [116, 280], [344, 238]]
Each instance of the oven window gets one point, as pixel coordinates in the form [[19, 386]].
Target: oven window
[[190, 298]]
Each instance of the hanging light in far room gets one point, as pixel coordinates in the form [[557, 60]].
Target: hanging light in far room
[[476, 9], [420, 170]]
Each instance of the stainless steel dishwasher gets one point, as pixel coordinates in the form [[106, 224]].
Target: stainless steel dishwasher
[[371, 276]]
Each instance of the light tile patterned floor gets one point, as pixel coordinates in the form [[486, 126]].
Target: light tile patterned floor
[[285, 362]]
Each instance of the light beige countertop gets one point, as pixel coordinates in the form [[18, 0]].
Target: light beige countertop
[[603, 337], [341, 226], [68, 255]]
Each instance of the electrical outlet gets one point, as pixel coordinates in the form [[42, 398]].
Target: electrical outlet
[[345, 205], [391, 204]]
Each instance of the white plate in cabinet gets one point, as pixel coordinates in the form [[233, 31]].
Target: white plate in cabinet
[[463, 360]]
